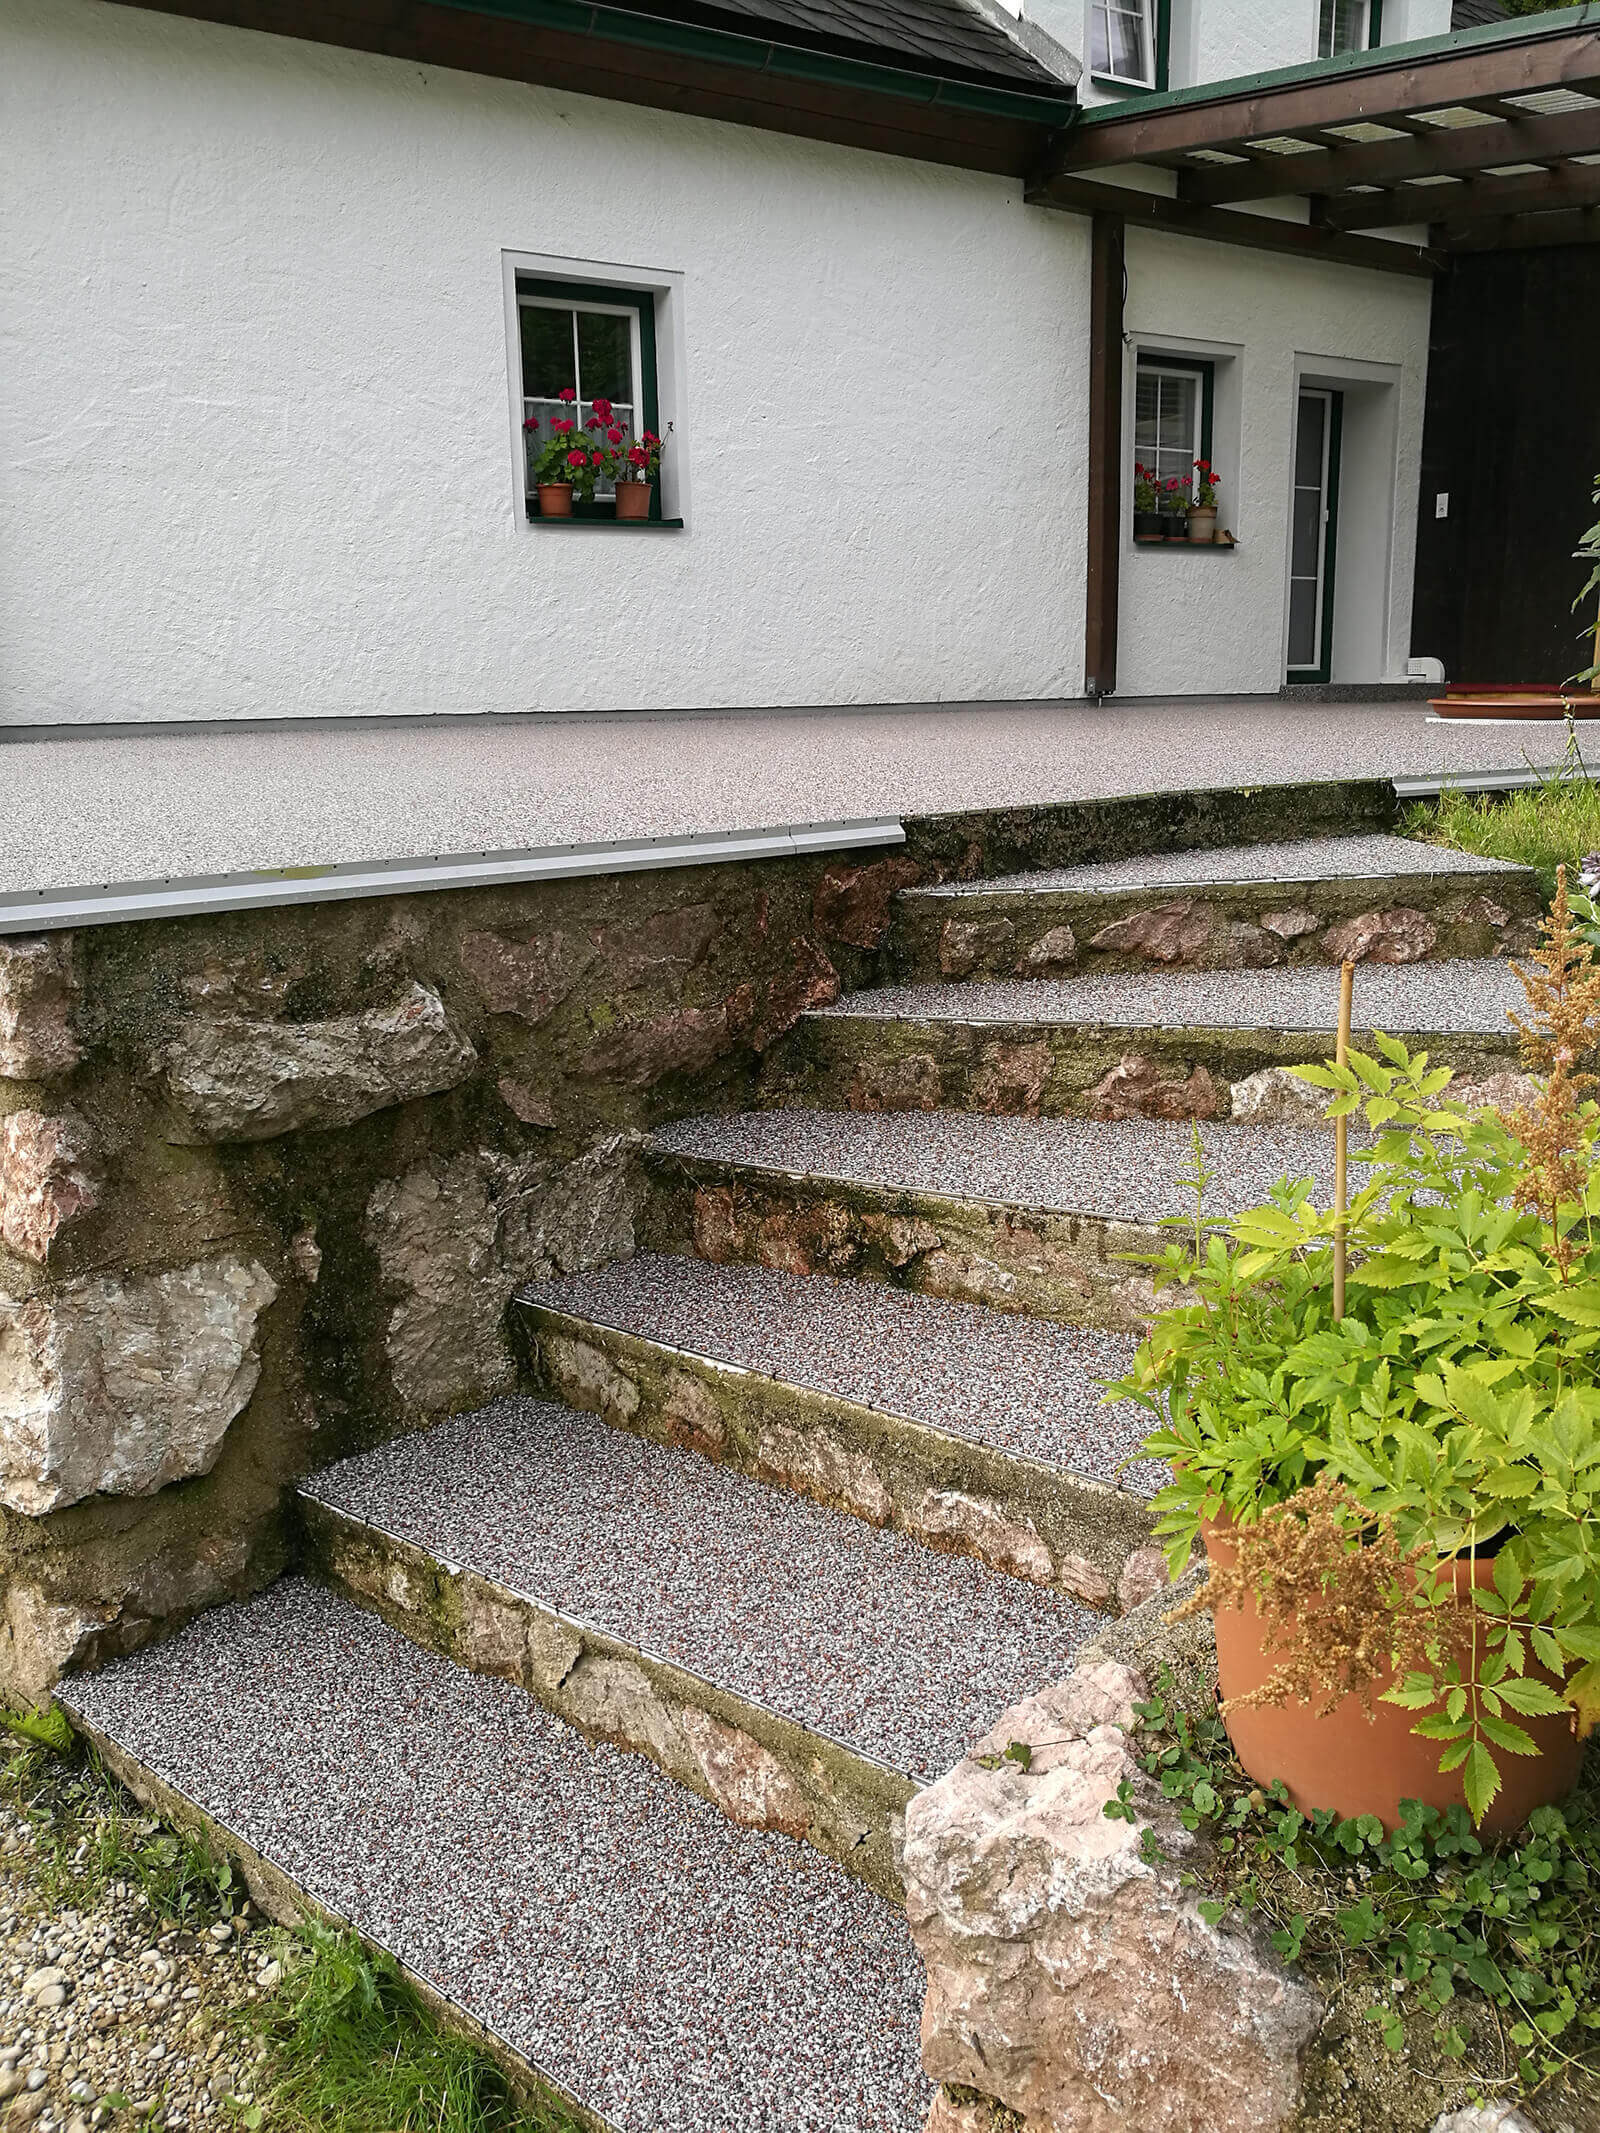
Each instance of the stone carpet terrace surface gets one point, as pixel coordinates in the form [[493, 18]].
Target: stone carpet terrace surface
[[680, 1974], [1019, 1384], [1299, 859], [149, 805], [858, 1634], [1467, 998], [1130, 1169]]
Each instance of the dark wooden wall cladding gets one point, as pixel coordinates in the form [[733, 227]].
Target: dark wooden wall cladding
[[1513, 434]]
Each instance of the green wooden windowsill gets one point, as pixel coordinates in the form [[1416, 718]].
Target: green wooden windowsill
[[609, 525]]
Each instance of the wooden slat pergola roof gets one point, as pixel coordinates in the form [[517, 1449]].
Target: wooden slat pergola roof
[[1485, 139]]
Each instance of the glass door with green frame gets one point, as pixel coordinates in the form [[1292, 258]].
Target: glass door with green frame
[[1313, 533]]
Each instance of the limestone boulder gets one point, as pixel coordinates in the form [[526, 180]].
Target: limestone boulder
[[1275, 1097], [816, 1462], [1291, 924], [977, 1525], [527, 976], [1398, 935], [1136, 1087], [855, 904], [1484, 2118], [38, 992], [745, 1779], [236, 1078], [566, 1218], [805, 981], [683, 1040], [48, 1177], [1144, 1574], [1050, 954], [1011, 1078], [1175, 932], [41, 1639], [435, 1233], [968, 945], [1070, 1978], [119, 1385], [912, 1083]]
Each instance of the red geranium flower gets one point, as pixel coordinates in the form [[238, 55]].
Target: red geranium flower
[[613, 435], [639, 457], [566, 393], [597, 459], [603, 409], [576, 459], [532, 423]]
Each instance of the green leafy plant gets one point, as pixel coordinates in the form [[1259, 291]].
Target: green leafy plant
[[1457, 1401], [1422, 1921], [1146, 499]]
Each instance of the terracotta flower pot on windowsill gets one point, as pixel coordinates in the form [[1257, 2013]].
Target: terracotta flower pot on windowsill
[[1203, 523], [1358, 1766], [555, 499], [633, 499]]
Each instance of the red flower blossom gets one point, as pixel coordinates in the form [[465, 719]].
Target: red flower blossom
[[597, 459], [532, 423], [566, 393], [613, 435], [576, 459], [638, 456], [603, 409]]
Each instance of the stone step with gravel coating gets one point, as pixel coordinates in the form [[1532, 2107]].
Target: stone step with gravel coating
[[1154, 1044], [974, 1431], [802, 1669], [598, 1925], [1038, 1215], [1251, 906]]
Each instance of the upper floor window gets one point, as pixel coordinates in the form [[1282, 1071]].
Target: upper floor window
[[593, 344], [1123, 44], [1349, 26]]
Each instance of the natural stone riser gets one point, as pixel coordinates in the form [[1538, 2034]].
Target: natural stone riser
[[1053, 1070], [1019, 1516], [286, 1902], [760, 1769], [1040, 1262], [1216, 926]]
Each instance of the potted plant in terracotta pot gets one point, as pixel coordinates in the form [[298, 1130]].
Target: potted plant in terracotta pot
[[560, 463], [1173, 502], [1146, 505], [632, 464], [1203, 507], [1401, 1505]]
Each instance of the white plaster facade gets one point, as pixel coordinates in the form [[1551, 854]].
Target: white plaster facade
[[257, 452]]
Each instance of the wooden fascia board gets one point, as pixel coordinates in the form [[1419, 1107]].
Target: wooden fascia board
[[1220, 225], [1522, 233], [1436, 151], [1371, 94], [828, 105]]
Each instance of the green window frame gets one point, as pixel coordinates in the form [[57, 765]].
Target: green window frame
[[536, 293], [1153, 363], [1371, 28], [1158, 27]]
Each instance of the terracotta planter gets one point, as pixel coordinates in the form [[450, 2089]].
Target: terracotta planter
[[633, 499], [1361, 1767], [1203, 525], [555, 499]]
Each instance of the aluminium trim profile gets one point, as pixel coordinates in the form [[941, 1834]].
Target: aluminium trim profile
[[1429, 788], [127, 903]]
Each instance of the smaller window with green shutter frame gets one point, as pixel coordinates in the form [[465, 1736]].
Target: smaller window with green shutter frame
[[1129, 42], [1348, 26], [594, 344]]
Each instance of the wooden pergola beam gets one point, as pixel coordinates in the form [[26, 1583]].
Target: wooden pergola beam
[[1374, 93], [1257, 233], [1453, 151], [1534, 192], [1104, 549], [1521, 233]]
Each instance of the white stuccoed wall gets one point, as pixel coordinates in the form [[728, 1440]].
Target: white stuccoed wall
[[257, 447], [1216, 622], [255, 442]]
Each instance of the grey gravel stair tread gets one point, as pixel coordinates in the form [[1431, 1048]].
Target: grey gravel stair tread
[[1466, 998], [1021, 1385], [1126, 1169], [673, 1972], [1375, 857], [859, 1634]]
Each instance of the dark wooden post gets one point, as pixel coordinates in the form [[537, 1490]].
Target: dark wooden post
[[1105, 453]]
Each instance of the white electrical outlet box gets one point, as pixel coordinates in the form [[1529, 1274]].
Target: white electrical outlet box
[[1441, 504]]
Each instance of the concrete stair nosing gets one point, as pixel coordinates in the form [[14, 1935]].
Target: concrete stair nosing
[[1038, 1521], [759, 1767]]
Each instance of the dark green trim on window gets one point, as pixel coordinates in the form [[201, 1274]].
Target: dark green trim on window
[[1207, 374], [602, 518], [761, 55], [1374, 25], [643, 301]]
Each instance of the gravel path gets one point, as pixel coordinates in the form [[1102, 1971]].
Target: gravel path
[[1301, 859], [98, 2000], [1019, 1384], [676, 1973], [865, 1636], [1127, 1168], [1464, 997]]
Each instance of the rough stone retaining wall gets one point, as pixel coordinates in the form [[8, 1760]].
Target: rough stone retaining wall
[[268, 1180]]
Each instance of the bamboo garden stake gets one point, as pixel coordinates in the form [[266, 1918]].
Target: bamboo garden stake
[[1341, 1141]]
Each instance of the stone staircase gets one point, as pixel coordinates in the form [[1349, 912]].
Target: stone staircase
[[599, 1708]]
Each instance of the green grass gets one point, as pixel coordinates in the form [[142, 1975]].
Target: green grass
[[1540, 826], [352, 2048]]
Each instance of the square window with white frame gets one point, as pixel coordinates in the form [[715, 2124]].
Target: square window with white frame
[[1171, 416], [584, 348], [1122, 41]]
